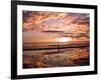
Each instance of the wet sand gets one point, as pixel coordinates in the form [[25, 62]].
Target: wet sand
[[78, 56]]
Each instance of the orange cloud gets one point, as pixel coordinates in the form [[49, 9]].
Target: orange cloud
[[38, 21]]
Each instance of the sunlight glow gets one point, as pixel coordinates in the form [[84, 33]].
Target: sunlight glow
[[64, 39]]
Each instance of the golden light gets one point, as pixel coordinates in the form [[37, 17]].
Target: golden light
[[64, 39]]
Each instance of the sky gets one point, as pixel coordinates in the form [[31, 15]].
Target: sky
[[36, 25]]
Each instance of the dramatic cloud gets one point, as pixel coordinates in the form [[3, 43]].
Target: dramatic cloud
[[38, 21]]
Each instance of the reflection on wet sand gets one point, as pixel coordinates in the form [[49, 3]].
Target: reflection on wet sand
[[52, 58]]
